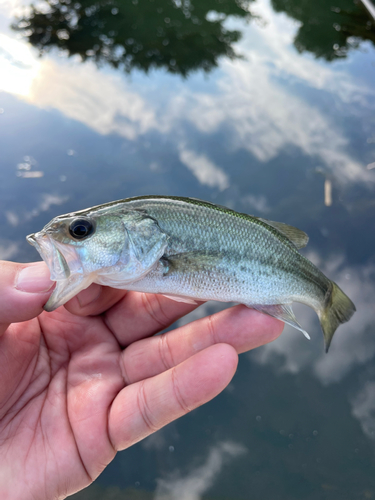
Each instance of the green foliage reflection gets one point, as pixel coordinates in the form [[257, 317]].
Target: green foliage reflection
[[183, 35], [179, 35], [329, 28]]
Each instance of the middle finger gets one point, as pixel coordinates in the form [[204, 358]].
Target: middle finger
[[241, 327]]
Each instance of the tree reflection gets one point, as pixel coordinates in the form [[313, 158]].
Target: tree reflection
[[330, 28], [179, 35]]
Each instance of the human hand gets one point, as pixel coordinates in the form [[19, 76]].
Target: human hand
[[89, 379]]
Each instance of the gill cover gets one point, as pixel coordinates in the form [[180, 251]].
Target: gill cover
[[144, 245]]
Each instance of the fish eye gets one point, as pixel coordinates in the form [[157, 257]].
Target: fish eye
[[81, 228]]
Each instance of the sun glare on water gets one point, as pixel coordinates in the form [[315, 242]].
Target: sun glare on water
[[18, 66]]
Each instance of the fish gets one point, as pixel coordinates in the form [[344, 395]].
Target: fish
[[189, 250]]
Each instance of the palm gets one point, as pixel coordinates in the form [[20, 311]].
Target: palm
[[71, 395], [57, 400]]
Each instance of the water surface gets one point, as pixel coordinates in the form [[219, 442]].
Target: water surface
[[266, 107]]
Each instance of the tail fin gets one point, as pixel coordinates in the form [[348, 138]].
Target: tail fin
[[338, 308]]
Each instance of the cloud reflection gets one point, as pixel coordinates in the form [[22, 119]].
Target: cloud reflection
[[199, 480], [8, 249], [259, 203], [264, 118], [103, 102], [204, 169], [47, 201], [363, 408], [249, 99]]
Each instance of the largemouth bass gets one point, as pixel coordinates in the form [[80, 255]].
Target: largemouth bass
[[188, 249]]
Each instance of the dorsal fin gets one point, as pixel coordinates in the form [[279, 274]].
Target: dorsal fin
[[296, 236]]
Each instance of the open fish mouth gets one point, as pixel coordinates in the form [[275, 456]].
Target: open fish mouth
[[51, 254], [65, 268]]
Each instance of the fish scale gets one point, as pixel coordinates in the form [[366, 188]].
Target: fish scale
[[260, 249]]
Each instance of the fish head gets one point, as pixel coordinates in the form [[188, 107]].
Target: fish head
[[108, 247], [74, 244]]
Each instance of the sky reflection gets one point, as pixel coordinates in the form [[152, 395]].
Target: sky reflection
[[195, 483], [264, 135], [245, 99]]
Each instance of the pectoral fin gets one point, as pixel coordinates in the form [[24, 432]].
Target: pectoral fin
[[190, 262], [283, 312], [183, 263], [66, 290]]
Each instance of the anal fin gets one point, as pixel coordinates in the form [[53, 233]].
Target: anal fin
[[283, 312]]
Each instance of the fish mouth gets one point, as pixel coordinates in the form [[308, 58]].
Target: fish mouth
[[52, 255], [65, 268]]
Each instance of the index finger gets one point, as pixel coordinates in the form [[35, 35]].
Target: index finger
[[130, 316], [139, 315]]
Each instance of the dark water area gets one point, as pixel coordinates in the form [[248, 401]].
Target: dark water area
[[267, 107]]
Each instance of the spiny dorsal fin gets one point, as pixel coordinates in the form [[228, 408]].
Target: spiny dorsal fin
[[296, 236]]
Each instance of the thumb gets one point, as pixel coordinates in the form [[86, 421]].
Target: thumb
[[24, 289]]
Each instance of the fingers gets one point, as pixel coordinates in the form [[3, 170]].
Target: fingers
[[129, 315], [243, 328], [142, 408], [144, 314], [24, 289]]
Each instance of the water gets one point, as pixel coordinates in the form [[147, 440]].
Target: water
[[270, 113]]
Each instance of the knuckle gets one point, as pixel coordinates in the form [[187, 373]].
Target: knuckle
[[165, 351], [124, 372], [145, 411], [178, 396], [154, 308], [211, 327]]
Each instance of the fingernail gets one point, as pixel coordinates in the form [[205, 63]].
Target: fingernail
[[89, 295], [34, 279]]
